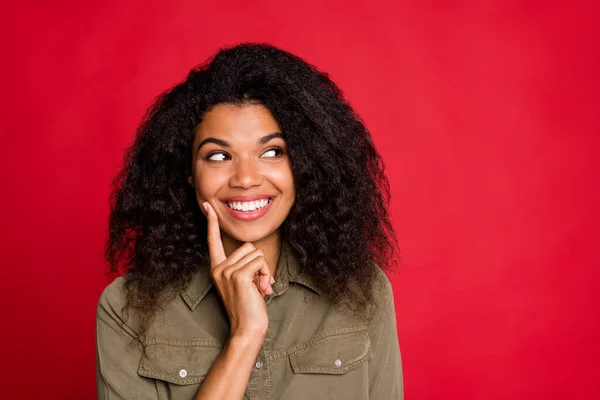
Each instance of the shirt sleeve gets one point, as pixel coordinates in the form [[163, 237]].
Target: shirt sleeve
[[385, 367], [117, 351]]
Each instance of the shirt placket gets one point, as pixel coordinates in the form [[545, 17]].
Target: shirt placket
[[260, 377], [260, 372], [264, 362]]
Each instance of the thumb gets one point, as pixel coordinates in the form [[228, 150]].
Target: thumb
[[215, 245]]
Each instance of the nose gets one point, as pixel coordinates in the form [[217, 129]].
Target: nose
[[246, 174]]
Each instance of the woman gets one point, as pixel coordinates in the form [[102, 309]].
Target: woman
[[250, 218]]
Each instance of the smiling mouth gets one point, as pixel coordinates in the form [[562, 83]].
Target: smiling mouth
[[248, 206]]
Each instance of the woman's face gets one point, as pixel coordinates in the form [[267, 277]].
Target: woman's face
[[240, 165]]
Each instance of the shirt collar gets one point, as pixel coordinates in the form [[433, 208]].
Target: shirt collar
[[288, 271]]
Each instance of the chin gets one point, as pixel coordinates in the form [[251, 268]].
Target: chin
[[248, 235]]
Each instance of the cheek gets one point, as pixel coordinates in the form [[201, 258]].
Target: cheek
[[284, 180], [291, 187], [208, 184]]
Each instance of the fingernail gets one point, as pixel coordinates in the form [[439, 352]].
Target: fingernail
[[205, 206], [272, 280]]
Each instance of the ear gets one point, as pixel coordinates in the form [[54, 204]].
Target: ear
[[191, 181]]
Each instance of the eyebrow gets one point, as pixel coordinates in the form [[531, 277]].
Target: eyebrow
[[224, 143]]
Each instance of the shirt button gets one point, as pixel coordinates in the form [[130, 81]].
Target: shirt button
[[182, 373], [338, 363], [258, 365]]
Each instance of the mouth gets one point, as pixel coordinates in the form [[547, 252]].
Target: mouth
[[248, 206], [250, 209]]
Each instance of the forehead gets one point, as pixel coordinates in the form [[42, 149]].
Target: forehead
[[237, 123]]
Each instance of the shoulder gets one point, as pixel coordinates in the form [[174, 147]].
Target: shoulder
[[114, 296], [383, 296], [111, 310], [382, 286]]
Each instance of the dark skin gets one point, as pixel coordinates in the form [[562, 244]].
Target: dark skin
[[248, 165], [239, 151]]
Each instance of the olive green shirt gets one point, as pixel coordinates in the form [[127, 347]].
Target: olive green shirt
[[312, 349]]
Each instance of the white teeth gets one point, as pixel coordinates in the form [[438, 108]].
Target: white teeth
[[247, 205]]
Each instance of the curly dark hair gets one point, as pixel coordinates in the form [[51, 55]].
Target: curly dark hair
[[339, 226]]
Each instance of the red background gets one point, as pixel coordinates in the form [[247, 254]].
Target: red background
[[486, 112]]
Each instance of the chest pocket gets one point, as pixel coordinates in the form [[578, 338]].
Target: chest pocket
[[178, 362], [335, 351]]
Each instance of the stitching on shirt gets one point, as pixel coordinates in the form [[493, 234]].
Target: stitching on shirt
[[298, 367], [277, 354], [149, 372], [267, 346], [295, 351], [335, 371], [193, 303], [327, 333], [183, 342]]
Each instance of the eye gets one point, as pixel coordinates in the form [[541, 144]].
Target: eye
[[217, 156], [273, 152]]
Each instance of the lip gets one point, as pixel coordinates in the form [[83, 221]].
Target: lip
[[249, 198], [247, 216]]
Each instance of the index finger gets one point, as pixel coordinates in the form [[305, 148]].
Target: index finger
[[215, 245]]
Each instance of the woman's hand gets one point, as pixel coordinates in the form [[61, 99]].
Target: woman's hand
[[235, 279]]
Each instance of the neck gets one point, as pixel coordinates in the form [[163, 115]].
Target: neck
[[270, 246]]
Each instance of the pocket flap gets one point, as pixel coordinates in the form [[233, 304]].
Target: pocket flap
[[335, 351], [183, 362]]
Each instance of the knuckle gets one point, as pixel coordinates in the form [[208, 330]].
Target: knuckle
[[256, 261], [236, 276], [227, 273], [216, 280]]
